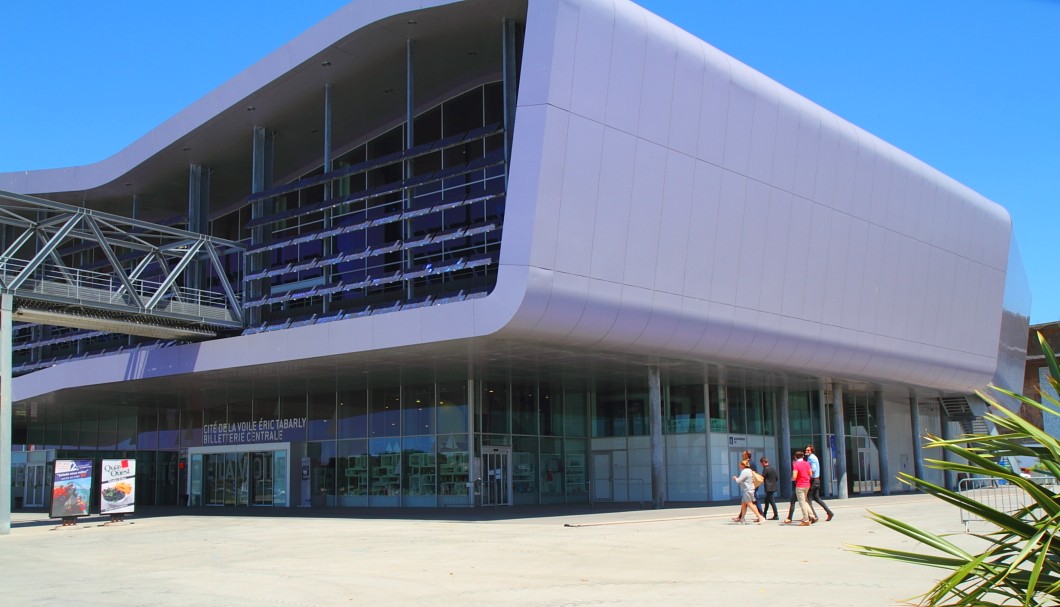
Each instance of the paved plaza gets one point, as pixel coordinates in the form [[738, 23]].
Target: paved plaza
[[540, 557]]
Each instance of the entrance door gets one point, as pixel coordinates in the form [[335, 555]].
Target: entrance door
[[261, 469], [602, 477], [35, 486], [496, 476]]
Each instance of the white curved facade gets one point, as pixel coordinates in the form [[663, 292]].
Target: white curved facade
[[664, 202]]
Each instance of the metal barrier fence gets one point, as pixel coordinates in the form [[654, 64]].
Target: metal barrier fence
[[999, 495]]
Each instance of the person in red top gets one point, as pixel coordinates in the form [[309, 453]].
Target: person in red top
[[802, 476]]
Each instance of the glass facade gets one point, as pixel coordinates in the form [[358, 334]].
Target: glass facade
[[417, 441]]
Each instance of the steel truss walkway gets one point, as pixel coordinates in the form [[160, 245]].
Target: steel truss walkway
[[75, 267], [109, 290]]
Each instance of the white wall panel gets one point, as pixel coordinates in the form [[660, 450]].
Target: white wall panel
[[827, 160], [662, 323], [727, 243], [717, 330], [703, 224], [615, 195], [796, 258], [714, 111], [866, 170], [633, 315], [836, 287], [785, 144], [585, 140], [592, 58], [817, 262], [854, 276], [873, 273], [767, 330], [566, 304], [889, 283], [601, 311], [674, 234], [775, 241], [846, 169], [739, 118], [548, 53], [656, 101], [806, 151], [642, 244], [626, 79], [694, 319], [752, 245], [546, 187], [763, 135], [687, 95]]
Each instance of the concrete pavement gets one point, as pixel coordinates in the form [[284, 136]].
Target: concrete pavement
[[541, 557]]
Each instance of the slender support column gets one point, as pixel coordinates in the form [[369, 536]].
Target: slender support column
[[509, 70], [328, 192], [918, 435], [881, 443], [261, 178], [6, 305], [658, 463], [840, 440], [198, 219], [783, 464], [949, 477], [410, 117], [472, 405], [821, 442]]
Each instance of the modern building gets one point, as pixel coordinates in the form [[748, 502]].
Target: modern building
[[525, 252]]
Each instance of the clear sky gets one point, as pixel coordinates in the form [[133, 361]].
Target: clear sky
[[972, 87]]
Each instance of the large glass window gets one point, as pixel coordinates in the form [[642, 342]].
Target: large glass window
[[495, 415], [452, 407], [353, 413], [524, 408], [385, 411], [609, 415], [420, 479], [637, 408], [685, 409], [417, 410]]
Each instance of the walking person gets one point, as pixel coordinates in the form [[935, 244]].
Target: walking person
[[769, 485], [746, 483], [748, 457], [815, 482], [802, 475], [795, 494]]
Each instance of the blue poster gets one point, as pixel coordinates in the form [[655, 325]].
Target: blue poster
[[71, 487]]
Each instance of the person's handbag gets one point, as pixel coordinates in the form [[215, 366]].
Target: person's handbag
[[758, 478]]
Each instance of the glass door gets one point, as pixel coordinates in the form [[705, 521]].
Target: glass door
[[497, 476], [262, 471], [35, 486]]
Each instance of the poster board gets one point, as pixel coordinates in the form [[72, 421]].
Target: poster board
[[71, 488], [117, 488]]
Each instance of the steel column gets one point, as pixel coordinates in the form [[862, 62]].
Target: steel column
[[655, 422], [6, 457], [840, 432], [881, 442], [918, 435], [783, 463], [410, 117]]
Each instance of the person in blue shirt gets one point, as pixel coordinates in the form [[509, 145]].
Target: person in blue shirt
[[815, 486]]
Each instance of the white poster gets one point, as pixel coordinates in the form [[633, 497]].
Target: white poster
[[118, 486]]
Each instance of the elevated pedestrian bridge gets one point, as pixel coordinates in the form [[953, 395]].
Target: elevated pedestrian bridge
[[76, 267]]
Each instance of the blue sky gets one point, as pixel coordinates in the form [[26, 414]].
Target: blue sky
[[971, 87]]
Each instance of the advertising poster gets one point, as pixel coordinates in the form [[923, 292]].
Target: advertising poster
[[118, 486], [71, 487]]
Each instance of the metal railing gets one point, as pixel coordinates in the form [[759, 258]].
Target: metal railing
[[999, 495], [99, 289]]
